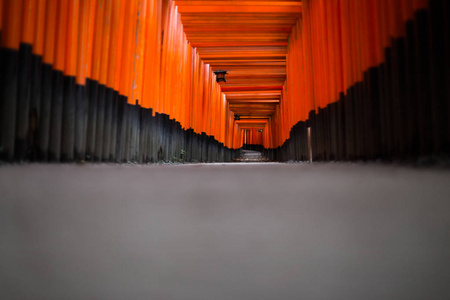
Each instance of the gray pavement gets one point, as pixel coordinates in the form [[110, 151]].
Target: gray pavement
[[224, 232]]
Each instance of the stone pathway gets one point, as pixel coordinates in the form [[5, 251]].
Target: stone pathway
[[251, 156]]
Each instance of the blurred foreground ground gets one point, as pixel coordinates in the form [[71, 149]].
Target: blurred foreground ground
[[224, 232]]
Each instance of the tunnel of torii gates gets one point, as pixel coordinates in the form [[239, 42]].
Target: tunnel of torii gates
[[133, 80]]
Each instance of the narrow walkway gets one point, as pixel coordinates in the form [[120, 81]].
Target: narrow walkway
[[229, 231]]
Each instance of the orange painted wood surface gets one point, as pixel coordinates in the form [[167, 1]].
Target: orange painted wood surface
[[12, 19]]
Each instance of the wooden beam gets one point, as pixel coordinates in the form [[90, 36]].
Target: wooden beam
[[253, 9]]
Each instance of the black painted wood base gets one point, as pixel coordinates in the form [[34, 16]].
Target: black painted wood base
[[46, 116]]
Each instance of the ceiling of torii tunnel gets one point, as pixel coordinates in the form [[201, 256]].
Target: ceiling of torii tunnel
[[248, 39]]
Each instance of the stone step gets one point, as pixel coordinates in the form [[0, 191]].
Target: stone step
[[251, 156]]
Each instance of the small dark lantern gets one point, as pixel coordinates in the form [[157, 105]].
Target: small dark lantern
[[220, 76], [260, 130], [237, 117]]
